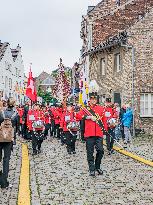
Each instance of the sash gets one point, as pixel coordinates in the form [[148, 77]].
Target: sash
[[98, 120]]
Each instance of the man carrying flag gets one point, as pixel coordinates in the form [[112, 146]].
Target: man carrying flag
[[32, 95]]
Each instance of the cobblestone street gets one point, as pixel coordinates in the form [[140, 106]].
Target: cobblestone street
[[9, 196], [59, 179]]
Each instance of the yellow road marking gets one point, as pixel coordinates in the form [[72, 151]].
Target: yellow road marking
[[133, 156], [24, 186]]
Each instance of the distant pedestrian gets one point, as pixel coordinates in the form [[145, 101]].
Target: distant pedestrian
[[122, 111], [127, 121]]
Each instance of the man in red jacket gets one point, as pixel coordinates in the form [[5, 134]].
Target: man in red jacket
[[93, 132], [69, 124], [111, 116], [36, 122]]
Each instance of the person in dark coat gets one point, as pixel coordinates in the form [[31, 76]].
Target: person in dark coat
[[24, 118], [10, 112]]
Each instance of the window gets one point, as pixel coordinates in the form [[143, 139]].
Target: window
[[102, 66], [16, 72], [90, 36], [117, 62], [10, 83], [146, 105], [118, 2], [6, 82]]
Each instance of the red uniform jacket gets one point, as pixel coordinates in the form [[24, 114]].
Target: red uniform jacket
[[110, 113], [57, 112], [91, 127], [64, 122], [47, 117], [20, 113], [38, 115]]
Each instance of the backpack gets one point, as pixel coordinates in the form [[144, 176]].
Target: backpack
[[6, 129]]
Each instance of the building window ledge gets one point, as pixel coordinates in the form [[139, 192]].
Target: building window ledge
[[146, 116]]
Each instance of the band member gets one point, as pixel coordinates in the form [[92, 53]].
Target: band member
[[51, 111], [25, 113], [70, 127], [47, 117], [57, 113], [36, 124], [95, 124], [20, 113], [63, 137], [111, 117]]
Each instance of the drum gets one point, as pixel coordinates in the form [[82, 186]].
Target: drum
[[38, 124], [74, 126]]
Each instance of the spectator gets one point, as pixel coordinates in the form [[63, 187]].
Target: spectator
[[11, 114], [127, 121], [122, 111]]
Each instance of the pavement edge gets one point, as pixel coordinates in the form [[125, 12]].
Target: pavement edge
[[24, 185], [133, 156]]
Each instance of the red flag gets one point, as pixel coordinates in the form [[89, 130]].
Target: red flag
[[31, 90]]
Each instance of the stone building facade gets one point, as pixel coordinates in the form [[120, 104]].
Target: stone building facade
[[120, 55], [11, 72]]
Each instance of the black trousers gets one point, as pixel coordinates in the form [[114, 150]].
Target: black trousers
[[63, 137], [53, 128], [70, 141], [7, 147], [110, 138], [122, 131], [36, 141], [47, 128], [91, 143], [57, 130]]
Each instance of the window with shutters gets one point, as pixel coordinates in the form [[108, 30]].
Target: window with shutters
[[102, 66], [117, 62], [146, 105]]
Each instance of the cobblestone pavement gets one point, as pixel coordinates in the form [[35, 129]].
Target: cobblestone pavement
[[142, 146], [59, 179], [9, 196]]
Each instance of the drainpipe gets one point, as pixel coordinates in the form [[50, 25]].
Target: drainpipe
[[133, 69], [133, 90]]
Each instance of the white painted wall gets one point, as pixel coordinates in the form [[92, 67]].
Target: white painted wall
[[6, 75]]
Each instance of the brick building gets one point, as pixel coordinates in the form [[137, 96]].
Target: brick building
[[118, 53]]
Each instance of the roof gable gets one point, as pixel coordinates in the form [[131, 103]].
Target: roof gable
[[48, 81]]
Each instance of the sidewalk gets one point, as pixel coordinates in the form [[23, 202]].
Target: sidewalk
[[9, 196]]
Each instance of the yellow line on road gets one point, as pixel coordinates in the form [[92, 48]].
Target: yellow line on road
[[24, 186], [132, 155]]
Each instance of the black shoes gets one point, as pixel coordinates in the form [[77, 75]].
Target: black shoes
[[92, 173], [100, 172], [74, 152], [34, 153], [4, 184]]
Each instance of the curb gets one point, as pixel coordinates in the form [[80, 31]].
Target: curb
[[133, 156], [24, 186]]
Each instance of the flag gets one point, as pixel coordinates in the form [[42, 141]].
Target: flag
[[30, 90]]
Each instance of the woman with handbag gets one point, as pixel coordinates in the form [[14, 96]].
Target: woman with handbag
[[70, 128]]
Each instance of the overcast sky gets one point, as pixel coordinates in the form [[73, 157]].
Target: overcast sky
[[45, 29]]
